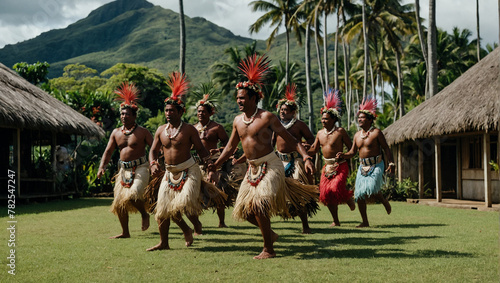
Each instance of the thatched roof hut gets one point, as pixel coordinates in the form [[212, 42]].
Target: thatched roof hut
[[23, 105], [470, 103], [450, 140]]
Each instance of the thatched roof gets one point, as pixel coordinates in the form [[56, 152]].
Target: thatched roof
[[470, 103], [23, 105]]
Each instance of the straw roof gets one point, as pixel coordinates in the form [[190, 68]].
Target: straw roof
[[470, 103], [23, 105]]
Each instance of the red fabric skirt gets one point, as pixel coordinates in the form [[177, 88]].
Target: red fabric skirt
[[333, 190]]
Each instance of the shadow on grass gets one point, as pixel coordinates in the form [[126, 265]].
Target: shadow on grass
[[62, 205], [377, 253]]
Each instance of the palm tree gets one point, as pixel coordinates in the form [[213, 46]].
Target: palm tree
[[478, 37], [278, 13], [431, 41], [182, 63]]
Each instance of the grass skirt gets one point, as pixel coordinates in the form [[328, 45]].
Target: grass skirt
[[371, 184], [186, 200], [301, 196], [333, 190], [122, 195], [268, 196]]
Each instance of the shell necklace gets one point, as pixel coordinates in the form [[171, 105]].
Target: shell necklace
[[175, 133], [128, 132], [331, 131], [251, 118], [289, 124], [201, 129], [364, 134]]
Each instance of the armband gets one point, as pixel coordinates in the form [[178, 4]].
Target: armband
[[307, 158]]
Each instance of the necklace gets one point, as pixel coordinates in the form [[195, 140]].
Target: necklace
[[289, 124], [176, 132], [331, 131], [251, 118], [364, 134], [128, 132], [201, 129]]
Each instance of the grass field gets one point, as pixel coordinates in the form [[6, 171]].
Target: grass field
[[67, 241]]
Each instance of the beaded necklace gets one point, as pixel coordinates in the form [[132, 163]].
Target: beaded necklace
[[201, 129], [251, 118], [128, 132], [176, 132]]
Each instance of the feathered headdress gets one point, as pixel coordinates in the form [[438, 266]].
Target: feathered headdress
[[254, 69], [368, 106], [333, 103], [290, 93], [205, 102], [127, 92], [179, 86]]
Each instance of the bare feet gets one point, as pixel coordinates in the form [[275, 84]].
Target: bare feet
[[363, 225], [158, 247], [120, 236], [334, 224], [189, 238], [306, 231], [264, 255], [145, 222], [222, 225]]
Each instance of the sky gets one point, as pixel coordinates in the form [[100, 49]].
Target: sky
[[25, 19]]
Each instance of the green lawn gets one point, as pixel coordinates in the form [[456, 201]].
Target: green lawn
[[67, 241]]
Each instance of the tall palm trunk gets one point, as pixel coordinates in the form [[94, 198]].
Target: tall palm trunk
[[431, 40], [182, 57], [318, 51], [335, 59], [400, 85], [478, 37], [308, 76], [365, 64], [287, 56], [422, 44], [325, 49]]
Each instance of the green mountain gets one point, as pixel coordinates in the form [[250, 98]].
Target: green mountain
[[128, 31]]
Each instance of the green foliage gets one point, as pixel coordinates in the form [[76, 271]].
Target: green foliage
[[153, 123], [77, 77], [494, 165], [399, 191], [34, 73]]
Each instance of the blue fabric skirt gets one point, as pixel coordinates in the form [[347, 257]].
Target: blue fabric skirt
[[370, 184]]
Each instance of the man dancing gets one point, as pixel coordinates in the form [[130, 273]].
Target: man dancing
[[331, 139], [211, 133], [179, 191], [292, 161], [133, 176], [262, 193], [369, 141]]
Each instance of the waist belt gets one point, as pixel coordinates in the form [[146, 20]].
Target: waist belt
[[130, 164], [369, 161], [287, 156]]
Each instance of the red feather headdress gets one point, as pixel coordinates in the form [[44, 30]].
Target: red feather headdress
[[333, 103], [127, 92], [290, 93], [254, 69], [368, 106], [179, 85]]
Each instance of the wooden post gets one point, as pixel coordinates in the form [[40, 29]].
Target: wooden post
[[487, 169], [54, 160], [459, 169], [420, 171], [437, 162], [400, 162], [17, 150]]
